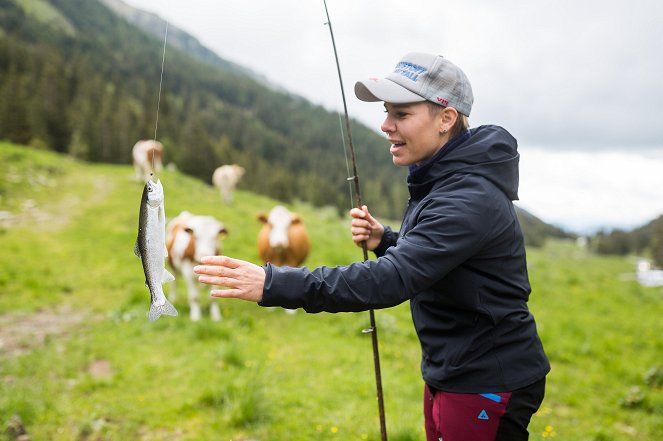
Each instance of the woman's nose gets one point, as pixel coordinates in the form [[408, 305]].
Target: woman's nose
[[387, 125]]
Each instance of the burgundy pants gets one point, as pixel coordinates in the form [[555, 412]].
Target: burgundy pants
[[481, 417]]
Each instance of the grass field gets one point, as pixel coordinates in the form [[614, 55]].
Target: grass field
[[79, 360]]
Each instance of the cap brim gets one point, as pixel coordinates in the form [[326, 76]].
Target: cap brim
[[382, 89]]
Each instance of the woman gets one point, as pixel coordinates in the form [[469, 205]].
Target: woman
[[459, 258]]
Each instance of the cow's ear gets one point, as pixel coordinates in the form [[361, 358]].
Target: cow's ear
[[295, 219], [223, 233], [188, 230], [262, 217]]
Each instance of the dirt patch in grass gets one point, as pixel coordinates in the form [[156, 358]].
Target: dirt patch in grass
[[100, 369], [52, 215], [20, 333]]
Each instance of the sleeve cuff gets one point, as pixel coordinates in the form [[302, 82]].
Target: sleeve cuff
[[388, 240]]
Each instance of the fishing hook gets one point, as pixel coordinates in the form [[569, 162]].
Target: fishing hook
[[373, 330]]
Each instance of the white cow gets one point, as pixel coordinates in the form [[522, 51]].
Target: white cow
[[188, 239], [147, 158], [225, 178]]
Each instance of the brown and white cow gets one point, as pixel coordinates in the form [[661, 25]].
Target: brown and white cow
[[283, 239], [147, 157], [188, 239], [225, 178]]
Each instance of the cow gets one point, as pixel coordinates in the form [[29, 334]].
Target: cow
[[225, 178], [147, 158], [188, 239], [283, 239]]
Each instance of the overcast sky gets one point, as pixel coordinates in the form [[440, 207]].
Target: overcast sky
[[578, 83]]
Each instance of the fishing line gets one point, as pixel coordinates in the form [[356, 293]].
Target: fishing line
[[163, 61]]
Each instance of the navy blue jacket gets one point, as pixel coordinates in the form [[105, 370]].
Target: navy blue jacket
[[459, 258]]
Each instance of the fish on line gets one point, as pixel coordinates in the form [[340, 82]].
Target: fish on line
[[151, 248]]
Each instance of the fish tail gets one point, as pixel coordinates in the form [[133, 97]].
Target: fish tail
[[157, 311]]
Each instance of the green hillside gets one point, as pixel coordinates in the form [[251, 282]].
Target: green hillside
[[77, 78], [80, 361]]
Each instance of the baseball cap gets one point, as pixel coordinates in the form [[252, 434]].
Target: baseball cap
[[421, 77]]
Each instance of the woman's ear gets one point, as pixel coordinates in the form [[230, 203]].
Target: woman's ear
[[449, 115]]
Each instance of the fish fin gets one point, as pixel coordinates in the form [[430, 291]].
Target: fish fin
[[137, 250], [157, 311], [167, 276]]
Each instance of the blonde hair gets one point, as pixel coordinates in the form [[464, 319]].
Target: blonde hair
[[461, 125], [462, 122]]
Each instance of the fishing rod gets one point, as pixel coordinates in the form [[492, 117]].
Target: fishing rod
[[373, 330]]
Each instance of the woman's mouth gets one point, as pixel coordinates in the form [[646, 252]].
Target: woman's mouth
[[396, 146]]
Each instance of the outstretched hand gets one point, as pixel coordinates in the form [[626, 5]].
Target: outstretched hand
[[244, 280], [365, 228]]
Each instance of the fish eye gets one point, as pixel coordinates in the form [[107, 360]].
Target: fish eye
[[149, 188]]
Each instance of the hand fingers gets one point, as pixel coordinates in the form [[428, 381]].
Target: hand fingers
[[217, 265], [226, 293], [360, 227], [221, 261], [364, 223], [357, 213], [219, 281], [212, 270], [361, 213], [359, 239], [244, 279]]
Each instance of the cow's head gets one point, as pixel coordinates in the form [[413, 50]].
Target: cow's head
[[239, 170], [280, 219], [206, 232]]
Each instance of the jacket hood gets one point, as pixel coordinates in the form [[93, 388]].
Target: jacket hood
[[489, 151]]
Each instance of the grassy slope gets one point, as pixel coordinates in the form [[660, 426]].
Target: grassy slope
[[262, 374]]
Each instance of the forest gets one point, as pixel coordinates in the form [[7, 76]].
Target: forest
[[81, 79], [647, 239]]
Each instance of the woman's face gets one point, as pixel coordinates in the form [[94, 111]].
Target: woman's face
[[414, 131]]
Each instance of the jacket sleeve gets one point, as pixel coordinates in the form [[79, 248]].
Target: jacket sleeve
[[389, 239], [449, 228], [373, 284]]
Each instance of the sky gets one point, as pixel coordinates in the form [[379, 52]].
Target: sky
[[578, 83]]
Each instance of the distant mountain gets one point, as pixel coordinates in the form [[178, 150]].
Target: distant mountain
[[83, 80], [644, 240], [155, 26], [82, 77], [537, 231]]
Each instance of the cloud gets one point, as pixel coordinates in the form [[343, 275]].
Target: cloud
[[557, 73], [580, 75], [586, 191], [576, 82]]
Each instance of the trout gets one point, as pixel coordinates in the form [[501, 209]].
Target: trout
[[151, 248]]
